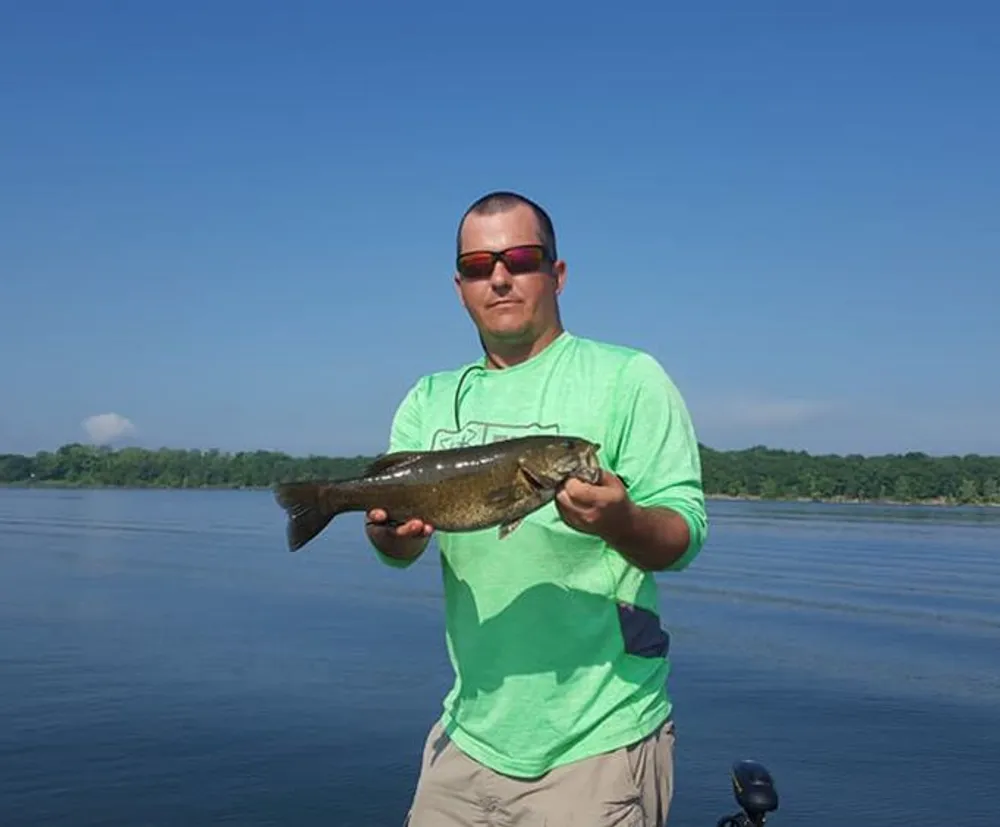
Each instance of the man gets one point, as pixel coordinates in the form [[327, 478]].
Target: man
[[559, 714]]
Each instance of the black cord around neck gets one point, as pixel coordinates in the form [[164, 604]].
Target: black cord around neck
[[468, 370], [458, 390]]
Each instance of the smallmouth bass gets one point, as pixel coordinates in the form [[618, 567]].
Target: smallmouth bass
[[454, 490]]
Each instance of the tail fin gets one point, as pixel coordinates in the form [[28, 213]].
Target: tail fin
[[307, 512]]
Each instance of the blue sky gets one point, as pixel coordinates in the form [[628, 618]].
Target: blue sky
[[233, 223]]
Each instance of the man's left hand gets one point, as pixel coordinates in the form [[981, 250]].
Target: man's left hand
[[603, 509]]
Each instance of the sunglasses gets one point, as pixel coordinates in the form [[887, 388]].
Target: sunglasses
[[479, 264]]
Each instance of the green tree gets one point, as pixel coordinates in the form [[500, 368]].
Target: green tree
[[968, 491], [991, 491]]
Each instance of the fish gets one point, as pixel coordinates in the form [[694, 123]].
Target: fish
[[453, 489]]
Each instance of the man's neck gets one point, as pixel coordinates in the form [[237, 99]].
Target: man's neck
[[502, 355]]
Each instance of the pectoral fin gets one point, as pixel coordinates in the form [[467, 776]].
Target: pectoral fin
[[531, 478], [502, 497]]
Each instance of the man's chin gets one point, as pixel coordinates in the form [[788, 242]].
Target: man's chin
[[510, 334]]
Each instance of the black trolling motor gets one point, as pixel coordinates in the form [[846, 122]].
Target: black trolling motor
[[754, 791]]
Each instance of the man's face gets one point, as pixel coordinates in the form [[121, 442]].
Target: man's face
[[506, 306]]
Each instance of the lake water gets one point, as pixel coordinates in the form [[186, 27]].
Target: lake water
[[164, 661]]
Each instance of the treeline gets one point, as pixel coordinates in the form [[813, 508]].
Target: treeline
[[912, 477], [84, 465], [753, 473]]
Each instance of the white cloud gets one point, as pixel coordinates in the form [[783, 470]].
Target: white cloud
[[107, 427]]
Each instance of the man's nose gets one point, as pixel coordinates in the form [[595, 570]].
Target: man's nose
[[500, 278]]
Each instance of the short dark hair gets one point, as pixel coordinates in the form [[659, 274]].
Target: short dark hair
[[503, 200]]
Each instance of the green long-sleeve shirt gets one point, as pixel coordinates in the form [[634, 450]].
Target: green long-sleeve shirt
[[554, 637]]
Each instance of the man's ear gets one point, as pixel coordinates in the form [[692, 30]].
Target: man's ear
[[558, 272], [458, 289]]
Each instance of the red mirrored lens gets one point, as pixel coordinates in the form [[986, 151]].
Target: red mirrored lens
[[479, 264], [523, 259], [476, 265]]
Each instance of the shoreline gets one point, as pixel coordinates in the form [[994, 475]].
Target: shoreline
[[936, 502]]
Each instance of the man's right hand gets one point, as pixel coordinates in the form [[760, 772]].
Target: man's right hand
[[411, 528], [403, 542]]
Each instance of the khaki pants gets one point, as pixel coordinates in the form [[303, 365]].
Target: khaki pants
[[629, 787]]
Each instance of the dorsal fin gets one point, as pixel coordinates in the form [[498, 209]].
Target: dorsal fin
[[387, 461]]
